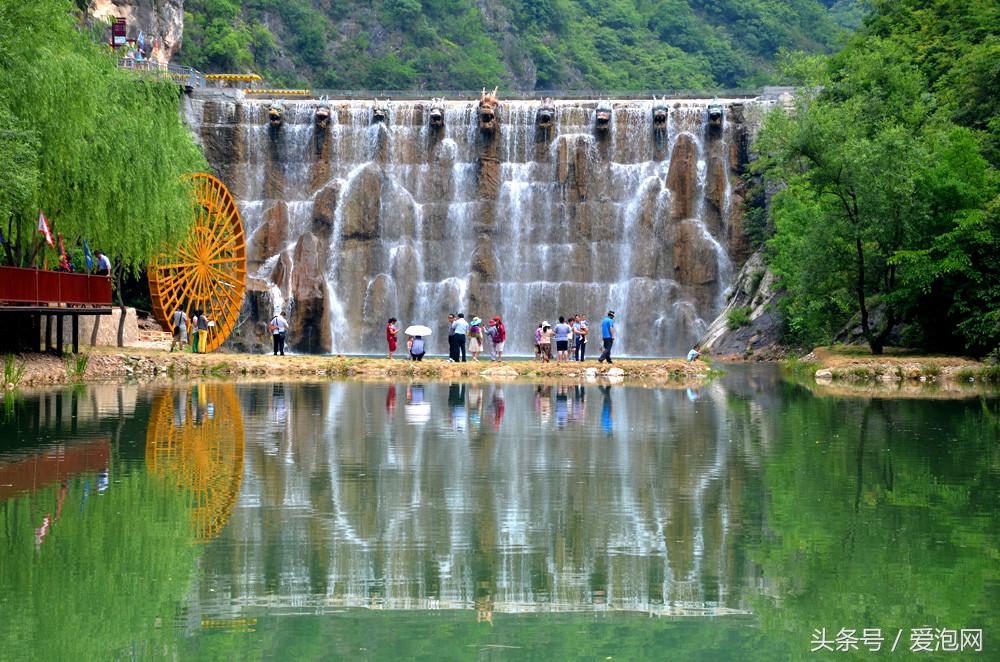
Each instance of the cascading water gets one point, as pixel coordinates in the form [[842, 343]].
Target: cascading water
[[363, 220]]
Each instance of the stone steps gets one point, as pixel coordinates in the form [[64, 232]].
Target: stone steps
[[146, 335]]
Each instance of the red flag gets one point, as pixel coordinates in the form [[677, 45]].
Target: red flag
[[43, 227], [63, 258]]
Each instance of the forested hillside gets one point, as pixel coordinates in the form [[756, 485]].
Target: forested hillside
[[889, 178], [609, 45]]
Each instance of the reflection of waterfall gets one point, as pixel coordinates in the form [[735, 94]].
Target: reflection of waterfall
[[355, 223], [545, 513]]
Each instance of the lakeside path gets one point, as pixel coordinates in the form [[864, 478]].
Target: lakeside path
[[113, 364]]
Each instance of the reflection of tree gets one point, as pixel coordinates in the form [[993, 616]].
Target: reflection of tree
[[106, 581], [883, 514], [195, 436]]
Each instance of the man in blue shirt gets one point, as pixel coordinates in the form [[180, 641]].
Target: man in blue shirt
[[608, 336], [693, 354]]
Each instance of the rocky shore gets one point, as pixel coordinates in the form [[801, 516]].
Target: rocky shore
[[851, 365], [111, 364]]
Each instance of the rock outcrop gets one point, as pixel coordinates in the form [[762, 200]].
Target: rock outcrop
[[160, 21], [750, 325]]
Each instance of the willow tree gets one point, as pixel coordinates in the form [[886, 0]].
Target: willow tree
[[106, 147]]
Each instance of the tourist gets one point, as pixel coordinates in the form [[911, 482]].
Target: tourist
[[491, 333], [103, 264], [391, 335], [476, 338], [194, 331], [608, 336], [546, 342], [415, 345], [451, 337], [179, 321], [562, 332], [461, 329], [580, 330], [538, 343], [279, 327], [693, 354], [203, 324], [499, 338]]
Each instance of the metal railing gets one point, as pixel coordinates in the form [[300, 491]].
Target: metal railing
[[187, 76], [528, 95]]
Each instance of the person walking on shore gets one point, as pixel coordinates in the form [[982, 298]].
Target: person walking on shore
[[499, 338], [452, 357], [179, 320], [608, 336], [546, 342], [194, 331], [391, 335], [562, 332], [476, 338], [580, 330], [279, 327], [461, 329], [538, 343]]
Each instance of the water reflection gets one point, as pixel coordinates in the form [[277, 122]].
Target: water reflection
[[749, 498], [195, 439], [636, 504]]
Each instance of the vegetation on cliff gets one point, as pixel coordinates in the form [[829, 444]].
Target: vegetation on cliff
[[100, 150], [521, 44], [889, 202]]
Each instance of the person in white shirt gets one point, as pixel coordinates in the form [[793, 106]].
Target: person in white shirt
[[279, 327], [103, 264], [461, 328]]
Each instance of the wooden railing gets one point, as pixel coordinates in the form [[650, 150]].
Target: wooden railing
[[35, 287]]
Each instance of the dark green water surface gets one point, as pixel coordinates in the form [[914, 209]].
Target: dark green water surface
[[349, 520]]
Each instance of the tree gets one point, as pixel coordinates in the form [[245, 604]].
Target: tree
[[860, 165], [107, 145]]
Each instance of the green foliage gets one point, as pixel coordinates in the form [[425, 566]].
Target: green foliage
[[107, 579], [884, 204], [76, 365], [13, 372], [100, 150], [524, 44], [738, 317]]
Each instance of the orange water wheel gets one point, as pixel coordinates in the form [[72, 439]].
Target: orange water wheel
[[195, 439], [207, 271]]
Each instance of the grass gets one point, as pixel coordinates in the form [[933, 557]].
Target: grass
[[76, 367], [800, 368], [738, 317], [13, 371]]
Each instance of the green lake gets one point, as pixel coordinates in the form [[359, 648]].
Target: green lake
[[750, 519]]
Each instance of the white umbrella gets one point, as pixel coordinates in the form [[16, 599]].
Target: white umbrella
[[418, 330]]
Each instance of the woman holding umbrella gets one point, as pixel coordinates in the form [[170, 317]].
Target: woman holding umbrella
[[415, 344]]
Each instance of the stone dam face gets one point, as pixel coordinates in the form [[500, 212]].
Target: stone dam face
[[358, 220]]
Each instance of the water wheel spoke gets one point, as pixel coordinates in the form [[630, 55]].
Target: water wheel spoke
[[207, 270]]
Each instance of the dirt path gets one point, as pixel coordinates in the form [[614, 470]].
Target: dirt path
[[110, 364]]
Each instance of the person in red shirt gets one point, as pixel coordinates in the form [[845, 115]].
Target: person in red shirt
[[391, 335], [499, 336]]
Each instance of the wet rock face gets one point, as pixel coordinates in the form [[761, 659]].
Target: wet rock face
[[357, 222]]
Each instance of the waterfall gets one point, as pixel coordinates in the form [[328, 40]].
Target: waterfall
[[359, 221]]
